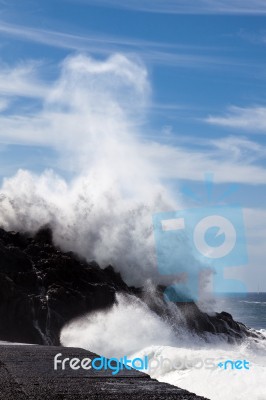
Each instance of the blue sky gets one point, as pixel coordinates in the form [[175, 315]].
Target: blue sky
[[205, 62]]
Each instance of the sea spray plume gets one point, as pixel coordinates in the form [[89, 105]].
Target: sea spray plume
[[92, 116], [104, 227], [135, 324], [128, 327]]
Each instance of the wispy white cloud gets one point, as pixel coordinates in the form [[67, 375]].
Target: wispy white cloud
[[187, 6], [4, 103], [90, 42], [251, 119], [154, 52], [240, 149], [21, 80], [179, 162], [87, 102]]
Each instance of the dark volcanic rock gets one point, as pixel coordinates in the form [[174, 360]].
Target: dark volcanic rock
[[196, 321], [43, 288], [219, 323]]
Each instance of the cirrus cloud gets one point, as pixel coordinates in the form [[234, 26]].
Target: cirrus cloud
[[252, 119]]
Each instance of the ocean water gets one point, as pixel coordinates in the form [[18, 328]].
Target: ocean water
[[249, 309], [217, 383], [180, 358]]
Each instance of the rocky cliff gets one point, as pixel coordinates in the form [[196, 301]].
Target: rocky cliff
[[43, 288]]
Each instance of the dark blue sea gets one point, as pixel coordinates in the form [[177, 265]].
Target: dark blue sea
[[249, 308]]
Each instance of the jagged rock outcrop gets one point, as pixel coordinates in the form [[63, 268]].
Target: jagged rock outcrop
[[43, 288]]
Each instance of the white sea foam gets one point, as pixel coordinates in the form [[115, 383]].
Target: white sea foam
[[217, 383], [131, 328], [128, 325]]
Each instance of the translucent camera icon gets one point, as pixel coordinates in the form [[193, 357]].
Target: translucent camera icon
[[188, 241]]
